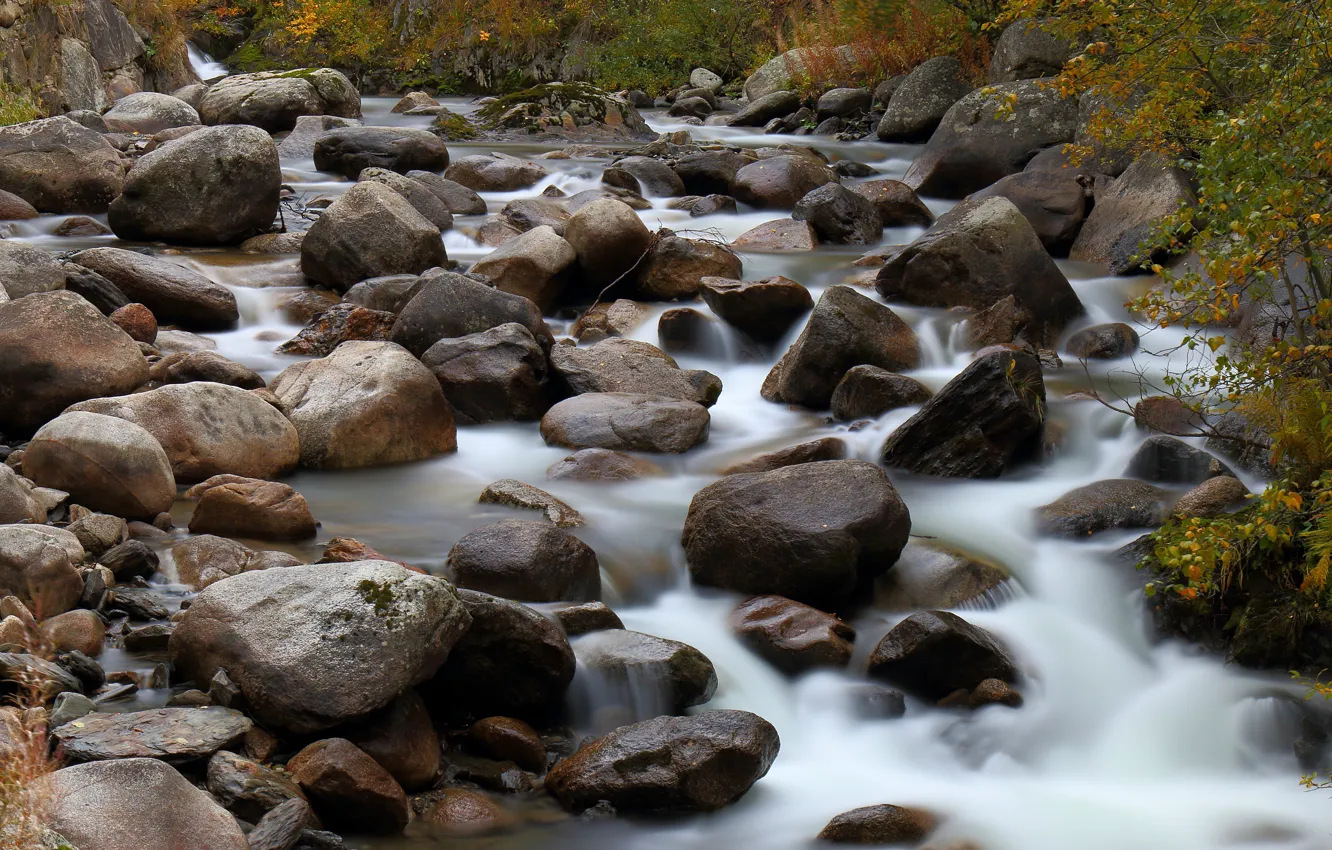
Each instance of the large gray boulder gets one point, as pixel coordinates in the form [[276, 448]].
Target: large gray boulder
[[60, 166], [534, 265], [618, 365], [25, 269], [300, 142], [366, 404], [840, 216], [977, 254], [1053, 202], [1125, 211], [273, 100], [173, 292], [422, 198], [447, 306], [149, 112], [1027, 51], [813, 532], [780, 181], [371, 231], [922, 99], [777, 74], [626, 422], [991, 133], [293, 639], [350, 150]]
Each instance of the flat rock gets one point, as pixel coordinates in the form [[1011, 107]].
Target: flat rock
[[174, 735]]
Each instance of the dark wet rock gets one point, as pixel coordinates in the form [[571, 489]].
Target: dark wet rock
[[875, 702], [495, 173], [1167, 460], [780, 181], [868, 391], [512, 662], [791, 636], [709, 172], [763, 109], [601, 465], [274, 100], [780, 236], [621, 179], [588, 617], [846, 329], [814, 532], [1054, 203], [655, 178], [154, 638], [526, 560], [30, 675], [683, 676], [933, 653], [464, 813], [174, 293], [95, 289], [922, 99], [929, 575], [697, 107], [1027, 51], [534, 265], [627, 366], [171, 734], [249, 789], [609, 240], [492, 376], [513, 493], [289, 637], [129, 559], [458, 198], [669, 764], [676, 267], [897, 205], [1212, 498], [59, 166], [986, 420], [763, 309], [449, 305], [349, 789], [420, 196], [826, 448], [684, 330], [282, 827], [104, 463], [626, 422], [1167, 415], [338, 324], [403, 740], [14, 208], [1125, 211], [1116, 503], [370, 231], [509, 739], [880, 825], [839, 215], [1103, 342], [601, 320], [350, 150]]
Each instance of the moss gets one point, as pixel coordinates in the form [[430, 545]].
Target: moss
[[17, 105], [250, 58], [453, 127], [378, 594], [548, 95]]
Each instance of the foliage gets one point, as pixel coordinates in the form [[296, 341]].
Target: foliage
[[17, 105]]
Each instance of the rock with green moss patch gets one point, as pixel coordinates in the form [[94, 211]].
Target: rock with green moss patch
[[569, 110], [274, 100]]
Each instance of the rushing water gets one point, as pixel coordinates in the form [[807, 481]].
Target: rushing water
[[1121, 743]]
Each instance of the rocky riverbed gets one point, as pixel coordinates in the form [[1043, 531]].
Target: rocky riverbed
[[656, 475]]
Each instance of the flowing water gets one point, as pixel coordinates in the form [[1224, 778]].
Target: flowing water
[[1121, 743]]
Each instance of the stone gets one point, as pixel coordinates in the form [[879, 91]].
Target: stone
[[931, 654], [103, 805], [778, 236], [209, 429], [366, 404], [626, 422], [815, 532], [79, 629], [281, 828], [495, 173], [846, 329], [1116, 503], [763, 109], [654, 177], [1026, 51], [897, 205], [350, 150], [780, 181], [1103, 342], [183, 367], [696, 107], [516, 494], [464, 813], [708, 172], [1166, 460], [14, 208], [349, 789], [533, 265], [792, 637], [880, 825], [370, 231], [448, 306], [205, 559], [618, 318], [512, 662], [986, 420], [929, 575], [609, 240], [273, 100], [601, 465], [289, 638], [37, 568], [844, 103], [496, 375], [70, 706], [300, 142], [173, 293], [868, 392], [676, 267], [1054, 203], [25, 269], [148, 113], [669, 765], [684, 330], [81, 226], [458, 198], [509, 739], [922, 99], [245, 507], [526, 560], [175, 735], [629, 366], [338, 324], [658, 675], [839, 215], [420, 196], [57, 349], [988, 135], [529, 213], [17, 503], [826, 448], [1126, 210], [107, 464], [129, 559], [247, 788], [137, 321], [41, 680], [1212, 497], [59, 166], [403, 740]]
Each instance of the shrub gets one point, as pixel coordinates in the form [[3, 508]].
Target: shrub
[[17, 105]]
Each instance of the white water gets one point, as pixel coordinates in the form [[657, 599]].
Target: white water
[[204, 65], [1121, 743]]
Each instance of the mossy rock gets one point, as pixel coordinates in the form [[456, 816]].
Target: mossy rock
[[453, 127], [569, 110]]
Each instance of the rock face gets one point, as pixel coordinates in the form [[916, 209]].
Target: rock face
[[627, 366], [982, 138], [526, 560], [103, 805], [626, 422], [790, 636], [25, 269], [215, 186], [290, 638], [669, 765], [366, 404], [172, 734], [1025, 51], [814, 532], [1054, 203], [209, 429], [1117, 503], [172, 292], [104, 463], [350, 150], [934, 653], [845, 330], [60, 166], [921, 100], [675, 673], [763, 309], [492, 376], [780, 181], [982, 422], [978, 254], [1125, 210], [273, 100], [449, 306], [349, 789], [533, 265], [37, 566], [371, 231]]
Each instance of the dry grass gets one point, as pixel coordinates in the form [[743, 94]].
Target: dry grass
[[25, 758]]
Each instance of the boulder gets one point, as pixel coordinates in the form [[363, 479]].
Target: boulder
[[1116, 503], [675, 267], [814, 532], [136, 803], [627, 366], [626, 422], [533, 265], [709, 172], [929, 575], [416, 193], [922, 99], [657, 675], [1168, 414], [403, 740], [175, 735], [1103, 342], [761, 110], [290, 638], [245, 507], [509, 739], [791, 636], [513, 493], [512, 662], [300, 142], [458, 198], [529, 213], [695, 107], [1167, 460], [366, 404], [349, 789], [1212, 498], [492, 376], [931, 654], [204, 559], [282, 828], [844, 103], [1125, 211], [26, 269], [137, 321], [567, 110], [814, 451], [59, 166], [350, 150], [463, 813], [95, 289], [370, 231], [839, 215], [183, 367], [988, 135], [209, 429], [495, 173], [247, 788], [601, 465], [526, 560], [780, 181], [449, 306], [882, 825], [868, 391], [149, 112], [655, 178], [846, 329], [609, 240], [984, 421], [1054, 203], [14, 208], [17, 503], [174, 293], [976, 255], [274, 100], [81, 630], [1027, 51], [413, 100], [339, 323], [669, 765], [778, 236], [104, 463], [37, 566], [213, 187], [618, 318], [764, 310], [897, 205]]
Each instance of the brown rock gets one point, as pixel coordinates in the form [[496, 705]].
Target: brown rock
[[1168, 415], [510, 739], [137, 321], [515, 494], [791, 636], [588, 617], [601, 465], [336, 325], [826, 448], [231, 505], [281, 828], [183, 367], [604, 319], [929, 575], [171, 734], [881, 825], [780, 236], [764, 309], [349, 789], [897, 205], [464, 813], [1212, 497], [402, 739], [79, 629], [247, 788], [526, 560]]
